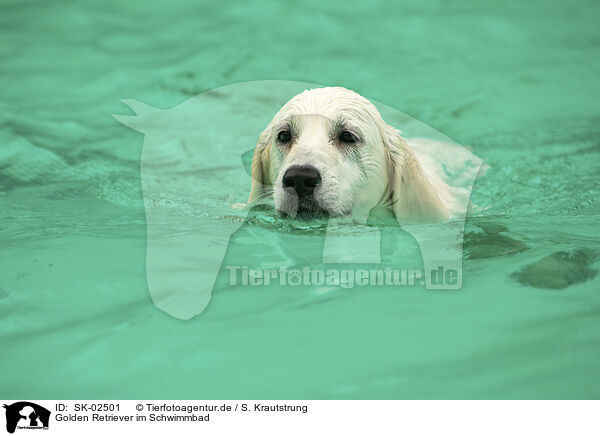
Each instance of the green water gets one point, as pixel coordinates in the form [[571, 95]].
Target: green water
[[516, 82]]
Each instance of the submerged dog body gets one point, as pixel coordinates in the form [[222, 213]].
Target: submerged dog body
[[329, 152]]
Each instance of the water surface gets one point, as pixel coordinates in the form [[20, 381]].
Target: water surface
[[515, 82]]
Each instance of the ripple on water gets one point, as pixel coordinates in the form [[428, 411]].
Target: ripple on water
[[559, 270]]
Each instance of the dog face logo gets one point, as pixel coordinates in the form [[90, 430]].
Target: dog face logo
[[26, 415], [190, 154]]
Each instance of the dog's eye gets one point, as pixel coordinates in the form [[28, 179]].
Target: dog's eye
[[284, 136], [347, 137]]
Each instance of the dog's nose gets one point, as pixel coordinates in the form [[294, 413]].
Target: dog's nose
[[303, 180]]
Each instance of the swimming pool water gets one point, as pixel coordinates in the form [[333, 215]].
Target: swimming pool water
[[515, 82]]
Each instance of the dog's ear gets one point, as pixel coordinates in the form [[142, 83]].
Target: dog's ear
[[261, 163], [414, 197]]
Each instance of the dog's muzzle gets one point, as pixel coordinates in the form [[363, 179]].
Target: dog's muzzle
[[301, 182]]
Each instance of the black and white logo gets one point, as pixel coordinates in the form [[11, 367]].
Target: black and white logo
[[26, 415]]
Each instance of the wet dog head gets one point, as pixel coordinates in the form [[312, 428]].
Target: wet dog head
[[329, 152]]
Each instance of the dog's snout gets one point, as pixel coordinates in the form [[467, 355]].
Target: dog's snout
[[303, 179]]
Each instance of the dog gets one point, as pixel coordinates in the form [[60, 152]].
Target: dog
[[328, 152]]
